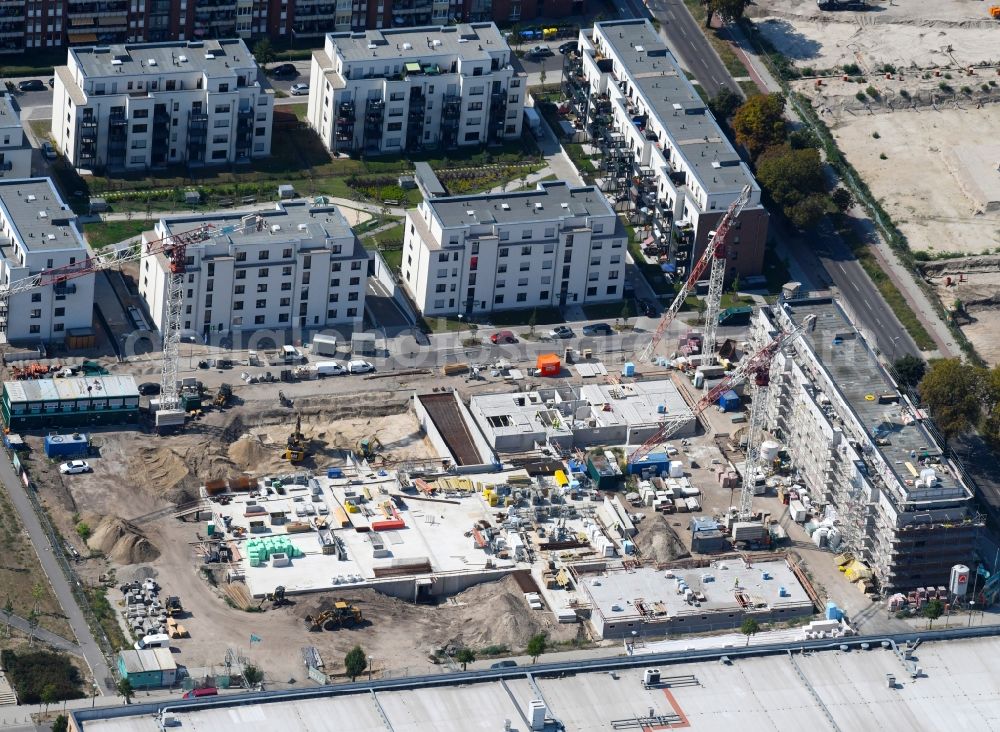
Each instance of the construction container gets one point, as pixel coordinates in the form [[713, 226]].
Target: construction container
[[656, 463], [548, 364], [388, 525], [605, 474], [729, 401], [692, 504], [334, 473], [797, 511], [68, 445]]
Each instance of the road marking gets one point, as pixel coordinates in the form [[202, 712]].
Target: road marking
[[868, 303], [855, 285]]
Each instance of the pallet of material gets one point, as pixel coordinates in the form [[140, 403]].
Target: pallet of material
[[402, 567], [297, 527], [452, 369], [340, 519]]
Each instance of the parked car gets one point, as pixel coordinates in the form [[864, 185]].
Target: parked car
[[503, 664], [284, 70], [149, 388], [30, 85], [329, 368], [503, 336], [540, 52], [562, 331], [75, 466], [359, 367], [299, 89], [567, 47], [48, 152], [644, 307], [203, 691], [597, 329]]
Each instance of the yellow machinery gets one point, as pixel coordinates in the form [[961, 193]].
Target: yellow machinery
[[341, 614], [223, 396], [369, 447], [295, 450]]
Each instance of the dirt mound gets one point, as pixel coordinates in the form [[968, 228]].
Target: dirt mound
[[175, 475], [658, 542], [959, 265], [247, 453], [122, 542]]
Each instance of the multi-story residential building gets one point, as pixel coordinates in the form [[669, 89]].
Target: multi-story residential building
[[864, 451], [133, 107], [39, 232], [395, 90], [15, 152], [664, 155], [554, 246], [54, 23], [296, 265]]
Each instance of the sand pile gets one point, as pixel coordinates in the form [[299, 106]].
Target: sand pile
[[247, 453], [122, 542], [658, 542]]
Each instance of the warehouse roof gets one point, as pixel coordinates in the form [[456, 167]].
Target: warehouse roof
[[76, 387], [215, 58]]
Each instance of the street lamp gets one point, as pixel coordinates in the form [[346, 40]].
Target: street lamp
[[893, 341], [972, 611], [370, 660]]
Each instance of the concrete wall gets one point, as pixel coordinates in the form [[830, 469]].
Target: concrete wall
[[717, 620], [486, 453], [441, 585]]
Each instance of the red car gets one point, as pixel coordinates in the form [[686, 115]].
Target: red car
[[503, 336]]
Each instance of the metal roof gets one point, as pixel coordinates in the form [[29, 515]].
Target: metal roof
[[76, 387]]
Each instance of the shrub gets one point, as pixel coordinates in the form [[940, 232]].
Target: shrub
[[966, 90], [31, 672], [904, 94], [861, 96], [876, 135], [83, 529], [945, 87], [873, 92], [882, 156], [852, 69]]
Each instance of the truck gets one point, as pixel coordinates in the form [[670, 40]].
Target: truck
[[329, 368], [534, 120]]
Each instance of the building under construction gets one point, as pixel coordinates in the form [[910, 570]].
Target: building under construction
[[863, 452]]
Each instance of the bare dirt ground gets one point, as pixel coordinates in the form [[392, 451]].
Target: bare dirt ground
[[903, 33], [975, 281]]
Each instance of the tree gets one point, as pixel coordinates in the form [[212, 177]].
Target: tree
[[794, 179], [252, 674], [49, 695], [8, 610], [727, 10], [725, 103], [909, 369], [83, 530], [465, 656], [125, 690], [263, 52], [32, 625], [842, 199], [808, 212], [536, 646], [532, 321], [541, 75], [61, 724], [37, 593], [626, 313], [952, 391], [355, 662], [749, 627], [932, 611], [759, 123]]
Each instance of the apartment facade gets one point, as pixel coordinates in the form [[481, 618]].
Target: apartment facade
[[665, 158], [135, 107], [15, 152], [389, 91], [38, 232], [864, 452], [554, 246], [296, 265]]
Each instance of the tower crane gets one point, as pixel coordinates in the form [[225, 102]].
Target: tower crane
[[749, 366], [174, 248], [714, 254]]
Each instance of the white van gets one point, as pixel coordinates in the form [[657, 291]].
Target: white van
[[329, 368], [359, 367], [159, 640]]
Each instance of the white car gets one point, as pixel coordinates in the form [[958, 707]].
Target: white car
[[75, 466], [299, 89], [359, 367]]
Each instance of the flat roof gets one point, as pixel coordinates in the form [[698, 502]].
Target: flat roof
[[296, 221], [468, 41], [216, 58], [550, 201], [41, 221], [957, 690], [149, 659], [8, 113], [672, 99], [618, 594], [73, 387], [860, 379]]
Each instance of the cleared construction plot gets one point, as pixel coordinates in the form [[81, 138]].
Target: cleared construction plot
[[975, 283]]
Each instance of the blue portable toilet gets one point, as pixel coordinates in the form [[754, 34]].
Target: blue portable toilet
[[628, 369], [729, 401], [833, 612], [334, 473]]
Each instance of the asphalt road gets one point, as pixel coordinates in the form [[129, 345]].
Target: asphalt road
[[689, 44], [60, 584]]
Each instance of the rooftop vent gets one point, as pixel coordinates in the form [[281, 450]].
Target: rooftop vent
[[538, 206], [640, 49], [303, 227], [505, 206], [436, 42], [275, 228], [31, 197], [564, 204], [152, 62], [371, 45], [407, 46], [209, 56], [182, 59], [116, 62], [43, 214]]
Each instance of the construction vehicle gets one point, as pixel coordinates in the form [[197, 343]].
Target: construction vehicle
[[223, 396], [295, 449], [716, 255], [276, 598], [369, 447], [994, 12], [341, 614], [174, 607]]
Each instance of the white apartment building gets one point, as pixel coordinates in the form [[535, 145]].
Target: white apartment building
[[38, 232], [296, 265], [139, 106], [386, 91], [15, 152], [553, 246], [663, 147], [864, 452]]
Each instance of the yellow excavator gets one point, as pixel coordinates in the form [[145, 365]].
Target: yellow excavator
[[295, 449], [341, 614], [370, 447]]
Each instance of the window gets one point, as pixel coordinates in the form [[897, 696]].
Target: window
[[263, 254], [352, 296], [140, 114], [261, 304], [283, 317], [335, 282], [472, 137], [239, 289], [58, 326], [613, 290], [394, 127], [36, 297], [241, 256], [598, 228], [220, 123], [476, 91], [241, 274], [513, 98], [34, 329], [138, 129], [522, 281], [237, 305], [258, 320], [498, 299], [613, 275], [222, 109], [500, 284], [501, 269], [335, 267], [474, 106], [36, 313], [262, 287], [59, 312], [504, 236], [331, 313], [219, 139], [286, 271], [525, 266], [549, 233], [218, 155], [522, 296], [357, 265], [441, 288], [286, 286], [284, 302], [355, 281], [546, 279]]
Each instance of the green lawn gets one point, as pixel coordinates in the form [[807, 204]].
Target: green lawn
[[750, 88], [300, 111], [101, 234], [41, 128], [607, 310], [391, 238]]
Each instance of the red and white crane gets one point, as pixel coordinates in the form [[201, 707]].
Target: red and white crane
[[754, 365], [174, 248], [714, 254]]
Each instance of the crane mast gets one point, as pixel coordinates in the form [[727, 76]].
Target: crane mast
[[715, 251], [717, 275]]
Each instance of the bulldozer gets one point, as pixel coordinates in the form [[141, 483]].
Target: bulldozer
[[295, 449], [341, 614], [370, 447], [276, 598], [223, 396]]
